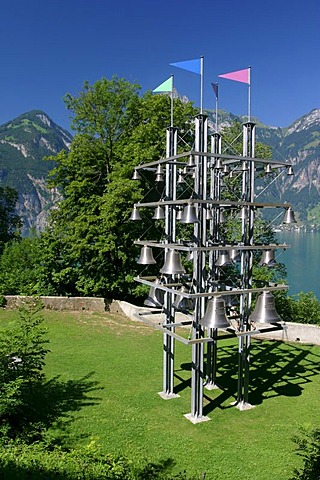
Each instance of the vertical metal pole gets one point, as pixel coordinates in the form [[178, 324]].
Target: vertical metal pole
[[246, 266], [170, 233], [211, 364], [200, 231]]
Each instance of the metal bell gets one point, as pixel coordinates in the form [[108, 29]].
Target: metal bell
[[181, 178], [265, 310], [136, 175], [189, 214], [268, 259], [235, 255], [191, 162], [172, 264], [179, 213], [135, 215], [158, 213], [244, 166], [223, 259], [146, 256], [159, 178], [289, 216], [155, 297], [183, 304], [215, 315], [290, 170], [209, 214], [218, 164], [189, 256], [231, 300], [222, 216], [243, 214], [268, 168]]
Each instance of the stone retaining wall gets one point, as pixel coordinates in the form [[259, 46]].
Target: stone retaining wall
[[292, 332], [295, 332], [69, 303]]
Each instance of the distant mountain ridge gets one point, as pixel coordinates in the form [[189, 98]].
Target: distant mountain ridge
[[27, 139], [24, 142], [299, 143]]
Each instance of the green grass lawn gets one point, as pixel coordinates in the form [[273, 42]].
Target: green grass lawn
[[104, 373]]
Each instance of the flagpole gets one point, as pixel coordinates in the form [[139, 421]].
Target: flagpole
[[201, 84], [249, 94], [172, 100], [217, 109]]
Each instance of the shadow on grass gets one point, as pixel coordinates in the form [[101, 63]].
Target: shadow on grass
[[276, 369], [53, 402]]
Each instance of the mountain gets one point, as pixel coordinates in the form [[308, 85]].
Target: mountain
[[27, 139], [24, 142], [299, 144]]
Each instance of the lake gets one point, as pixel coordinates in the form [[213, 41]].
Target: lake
[[301, 260]]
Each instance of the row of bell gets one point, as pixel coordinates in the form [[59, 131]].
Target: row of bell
[[264, 312], [218, 165], [215, 315], [189, 214], [173, 265]]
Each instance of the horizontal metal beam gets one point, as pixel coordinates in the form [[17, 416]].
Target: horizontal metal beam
[[230, 333], [231, 158], [218, 203], [160, 286], [186, 248]]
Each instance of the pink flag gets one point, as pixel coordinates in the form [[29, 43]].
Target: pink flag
[[239, 76]]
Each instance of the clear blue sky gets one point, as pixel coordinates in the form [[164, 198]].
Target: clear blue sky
[[50, 47]]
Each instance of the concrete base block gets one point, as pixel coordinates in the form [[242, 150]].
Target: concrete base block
[[195, 420], [168, 396], [211, 386], [243, 405]]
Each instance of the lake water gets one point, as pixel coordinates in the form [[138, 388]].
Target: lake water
[[302, 261]]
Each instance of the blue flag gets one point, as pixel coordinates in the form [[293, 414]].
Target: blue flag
[[193, 66], [215, 89]]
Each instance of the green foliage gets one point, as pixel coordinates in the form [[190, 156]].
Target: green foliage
[[89, 462], [22, 354], [305, 308], [90, 243], [9, 220], [301, 308], [19, 268], [309, 449]]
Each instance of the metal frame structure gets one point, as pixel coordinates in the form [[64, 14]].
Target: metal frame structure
[[205, 246]]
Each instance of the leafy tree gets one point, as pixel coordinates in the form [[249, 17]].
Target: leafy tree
[[9, 220], [90, 242], [19, 267]]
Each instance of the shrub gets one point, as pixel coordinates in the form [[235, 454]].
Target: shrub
[[309, 449], [89, 463], [22, 355], [306, 308]]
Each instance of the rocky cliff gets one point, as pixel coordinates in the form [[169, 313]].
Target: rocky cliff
[[28, 139], [24, 142]]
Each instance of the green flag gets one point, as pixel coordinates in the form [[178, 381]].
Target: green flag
[[166, 86]]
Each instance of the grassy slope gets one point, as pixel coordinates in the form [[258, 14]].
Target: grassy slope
[[114, 369]]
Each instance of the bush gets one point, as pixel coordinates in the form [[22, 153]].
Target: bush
[[19, 462], [301, 308], [22, 355], [309, 449], [305, 308]]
